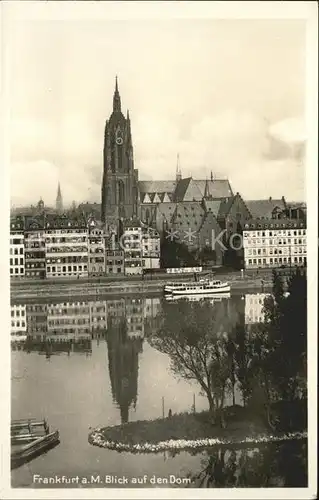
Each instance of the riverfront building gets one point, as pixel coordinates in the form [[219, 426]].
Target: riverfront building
[[96, 248], [114, 261], [66, 247], [151, 249], [34, 242], [275, 243], [132, 243], [17, 268]]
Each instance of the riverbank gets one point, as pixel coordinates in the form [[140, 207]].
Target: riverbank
[[99, 290], [188, 431]]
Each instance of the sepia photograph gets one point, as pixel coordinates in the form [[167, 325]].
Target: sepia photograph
[[159, 158]]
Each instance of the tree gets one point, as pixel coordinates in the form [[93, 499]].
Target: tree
[[280, 346], [243, 361], [286, 328], [176, 254], [196, 343]]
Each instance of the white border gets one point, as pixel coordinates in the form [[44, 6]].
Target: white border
[[10, 13]]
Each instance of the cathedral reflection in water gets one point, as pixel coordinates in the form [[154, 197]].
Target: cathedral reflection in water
[[122, 324]]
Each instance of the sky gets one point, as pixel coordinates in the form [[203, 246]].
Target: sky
[[227, 95]]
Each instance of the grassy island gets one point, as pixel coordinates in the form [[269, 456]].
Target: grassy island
[[186, 431]]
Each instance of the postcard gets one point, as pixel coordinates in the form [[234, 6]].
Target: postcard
[[160, 275]]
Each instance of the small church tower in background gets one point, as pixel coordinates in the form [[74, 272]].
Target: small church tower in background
[[178, 170], [59, 200]]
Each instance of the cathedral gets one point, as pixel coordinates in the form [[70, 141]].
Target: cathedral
[[120, 179], [155, 202]]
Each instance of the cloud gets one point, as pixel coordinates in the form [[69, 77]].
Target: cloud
[[198, 88], [290, 130]]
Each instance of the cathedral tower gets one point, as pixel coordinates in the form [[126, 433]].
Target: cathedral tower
[[119, 184]]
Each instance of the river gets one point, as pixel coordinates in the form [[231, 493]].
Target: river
[[78, 370]]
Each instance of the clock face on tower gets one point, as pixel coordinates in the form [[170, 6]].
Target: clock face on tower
[[119, 140]]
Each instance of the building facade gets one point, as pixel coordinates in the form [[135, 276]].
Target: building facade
[[151, 249], [66, 243], [132, 245], [17, 264], [34, 242], [275, 243], [114, 262], [96, 249]]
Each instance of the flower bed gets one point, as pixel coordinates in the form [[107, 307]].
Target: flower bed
[[152, 436], [97, 438]]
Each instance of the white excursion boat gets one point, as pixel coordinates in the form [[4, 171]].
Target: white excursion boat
[[171, 286], [201, 287]]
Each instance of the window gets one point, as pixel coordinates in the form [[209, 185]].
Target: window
[[11, 262], [21, 251], [119, 269], [21, 262]]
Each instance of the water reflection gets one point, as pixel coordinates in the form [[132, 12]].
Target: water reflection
[[123, 353], [100, 351], [274, 465]]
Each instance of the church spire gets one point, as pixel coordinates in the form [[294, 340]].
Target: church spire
[[128, 128], [59, 200], [207, 194], [178, 170], [116, 97]]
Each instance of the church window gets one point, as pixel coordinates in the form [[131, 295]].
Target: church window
[[121, 195]]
